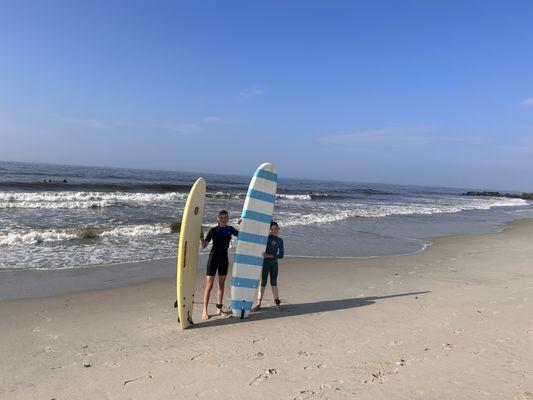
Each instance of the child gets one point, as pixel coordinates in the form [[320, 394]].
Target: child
[[218, 259], [273, 253]]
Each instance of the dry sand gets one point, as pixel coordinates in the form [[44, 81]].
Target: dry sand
[[453, 322]]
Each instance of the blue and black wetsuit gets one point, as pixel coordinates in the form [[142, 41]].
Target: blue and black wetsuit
[[218, 257], [270, 265]]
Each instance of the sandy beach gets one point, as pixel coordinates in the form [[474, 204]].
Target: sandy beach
[[455, 321]]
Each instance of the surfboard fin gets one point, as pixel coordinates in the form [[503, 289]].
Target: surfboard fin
[[242, 314], [176, 304]]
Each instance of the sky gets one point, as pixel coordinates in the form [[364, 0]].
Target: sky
[[411, 92]]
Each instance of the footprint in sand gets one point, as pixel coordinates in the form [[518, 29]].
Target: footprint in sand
[[317, 366], [310, 393], [305, 354], [257, 356], [305, 394], [264, 376], [378, 371]]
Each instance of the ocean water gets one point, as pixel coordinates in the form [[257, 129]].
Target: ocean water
[[55, 217]]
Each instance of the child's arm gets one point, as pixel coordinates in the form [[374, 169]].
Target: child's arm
[[205, 241], [279, 254], [281, 250]]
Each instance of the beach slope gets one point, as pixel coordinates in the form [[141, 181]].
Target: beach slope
[[455, 321]]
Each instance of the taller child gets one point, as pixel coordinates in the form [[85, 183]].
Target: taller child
[[218, 259]]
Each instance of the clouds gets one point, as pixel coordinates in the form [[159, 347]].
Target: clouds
[[95, 124], [218, 121], [190, 128], [527, 103], [252, 91], [181, 128], [388, 135], [212, 120], [398, 136]]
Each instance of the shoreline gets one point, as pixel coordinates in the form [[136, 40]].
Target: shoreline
[[42, 283], [455, 321]]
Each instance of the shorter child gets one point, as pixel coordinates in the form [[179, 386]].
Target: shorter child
[[274, 251]]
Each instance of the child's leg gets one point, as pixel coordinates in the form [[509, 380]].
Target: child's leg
[[274, 285], [259, 298], [207, 292], [223, 265], [276, 297], [264, 278], [220, 295]]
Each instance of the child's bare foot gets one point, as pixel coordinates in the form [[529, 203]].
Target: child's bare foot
[[257, 307], [278, 304], [220, 310], [205, 315]]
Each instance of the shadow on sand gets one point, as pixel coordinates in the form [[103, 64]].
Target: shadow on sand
[[291, 310]]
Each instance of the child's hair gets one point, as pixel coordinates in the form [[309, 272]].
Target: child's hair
[[274, 223], [222, 212]]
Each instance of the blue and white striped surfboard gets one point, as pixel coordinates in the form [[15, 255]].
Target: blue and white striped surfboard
[[252, 239]]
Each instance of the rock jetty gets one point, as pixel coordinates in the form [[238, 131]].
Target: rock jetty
[[525, 196]]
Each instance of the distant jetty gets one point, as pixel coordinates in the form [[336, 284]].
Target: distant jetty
[[525, 196]]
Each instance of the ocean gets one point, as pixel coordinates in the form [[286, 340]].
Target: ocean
[[63, 217]]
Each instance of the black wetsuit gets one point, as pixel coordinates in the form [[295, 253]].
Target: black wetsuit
[[218, 257]]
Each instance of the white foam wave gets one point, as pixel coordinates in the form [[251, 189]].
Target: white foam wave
[[345, 211], [224, 195], [137, 230], [20, 237], [72, 200], [304, 197], [322, 213], [279, 196], [81, 200]]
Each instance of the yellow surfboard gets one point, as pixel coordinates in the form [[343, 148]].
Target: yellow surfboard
[[191, 226]]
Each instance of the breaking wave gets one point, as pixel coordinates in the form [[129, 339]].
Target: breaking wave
[[381, 210], [20, 237], [71, 200]]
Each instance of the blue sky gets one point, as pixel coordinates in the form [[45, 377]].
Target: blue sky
[[417, 92]]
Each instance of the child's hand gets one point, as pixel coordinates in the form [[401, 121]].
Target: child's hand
[[239, 221]]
